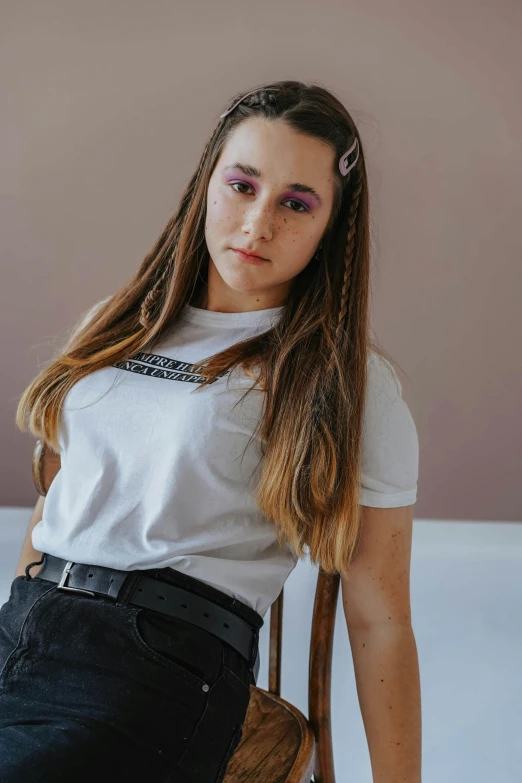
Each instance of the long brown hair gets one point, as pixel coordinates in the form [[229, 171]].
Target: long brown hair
[[311, 366]]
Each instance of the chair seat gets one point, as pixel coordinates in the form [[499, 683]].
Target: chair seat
[[277, 745]]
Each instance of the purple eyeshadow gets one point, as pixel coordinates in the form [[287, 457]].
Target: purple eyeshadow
[[242, 179], [307, 201]]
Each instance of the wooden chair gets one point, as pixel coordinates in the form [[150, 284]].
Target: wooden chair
[[279, 745]]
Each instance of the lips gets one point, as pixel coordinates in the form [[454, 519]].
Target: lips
[[248, 256]]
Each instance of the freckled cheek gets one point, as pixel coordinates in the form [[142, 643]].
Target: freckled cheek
[[299, 243], [220, 213]]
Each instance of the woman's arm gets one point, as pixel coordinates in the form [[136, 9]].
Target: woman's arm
[[28, 553], [376, 602]]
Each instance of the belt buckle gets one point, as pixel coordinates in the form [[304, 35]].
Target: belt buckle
[[65, 573]]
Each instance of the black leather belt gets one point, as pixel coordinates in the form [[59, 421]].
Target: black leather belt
[[158, 595]]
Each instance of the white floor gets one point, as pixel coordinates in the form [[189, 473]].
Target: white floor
[[467, 615]]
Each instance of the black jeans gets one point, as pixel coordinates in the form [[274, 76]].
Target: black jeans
[[97, 689]]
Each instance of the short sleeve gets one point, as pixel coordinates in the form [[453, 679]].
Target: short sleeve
[[85, 320], [390, 449]]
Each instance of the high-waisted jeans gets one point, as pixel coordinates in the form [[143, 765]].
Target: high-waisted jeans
[[85, 696]]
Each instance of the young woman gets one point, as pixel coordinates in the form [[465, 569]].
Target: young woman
[[219, 417]]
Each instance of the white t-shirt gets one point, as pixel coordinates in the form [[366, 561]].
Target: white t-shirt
[[152, 473]]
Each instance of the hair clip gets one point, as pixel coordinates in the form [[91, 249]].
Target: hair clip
[[343, 162]]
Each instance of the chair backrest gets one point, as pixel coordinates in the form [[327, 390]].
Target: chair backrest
[[45, 466], [319, 669]]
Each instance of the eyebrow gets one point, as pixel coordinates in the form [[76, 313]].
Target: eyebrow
[[251, 171]]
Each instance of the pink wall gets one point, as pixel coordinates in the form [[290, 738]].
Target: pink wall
[[106, 108]]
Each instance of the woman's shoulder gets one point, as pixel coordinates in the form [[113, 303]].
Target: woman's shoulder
[[382, 375], [390, 449], [85, 318]]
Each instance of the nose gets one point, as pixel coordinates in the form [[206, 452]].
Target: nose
[[259, 222]]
